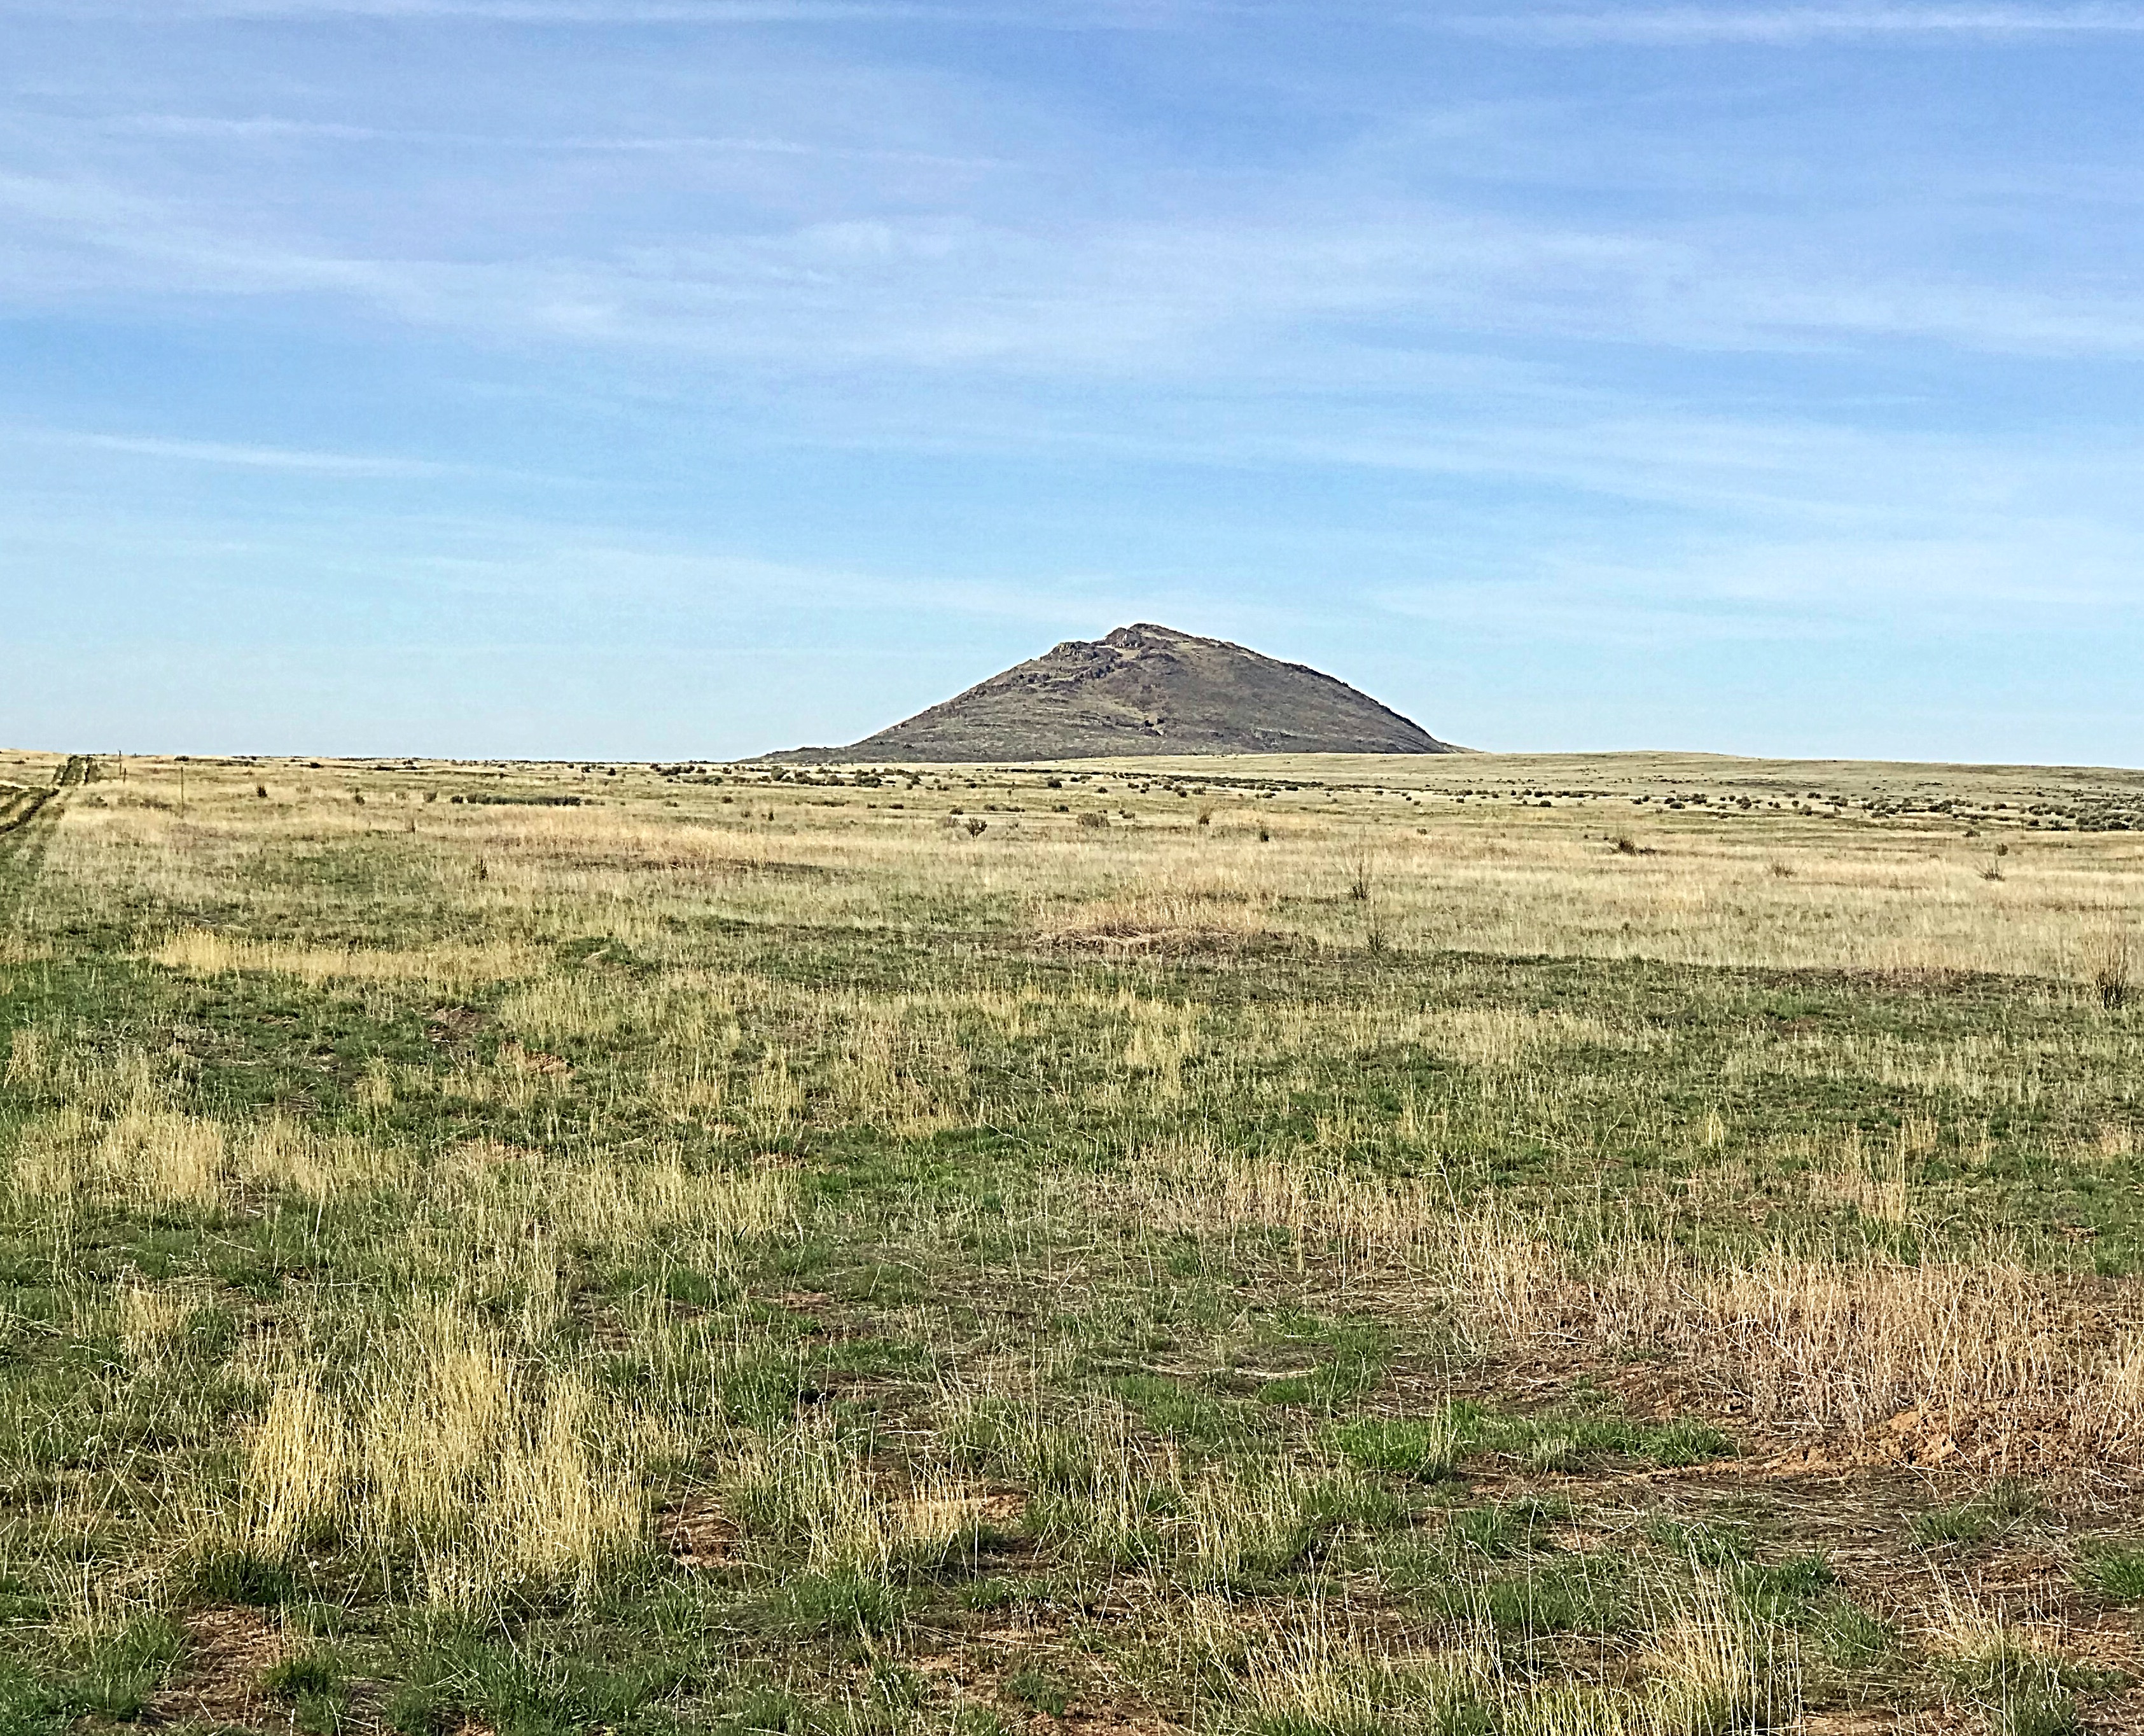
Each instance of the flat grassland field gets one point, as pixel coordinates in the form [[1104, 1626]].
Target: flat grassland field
[[1312, 1247]]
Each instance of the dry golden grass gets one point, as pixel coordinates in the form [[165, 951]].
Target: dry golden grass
[[1708, 1672], [445, 1443], [1493, 877], [1029, 1212], [448, 967], [807, 1482], [2021, 1361]]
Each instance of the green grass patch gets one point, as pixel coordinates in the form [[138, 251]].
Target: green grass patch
[[2000, 1509]]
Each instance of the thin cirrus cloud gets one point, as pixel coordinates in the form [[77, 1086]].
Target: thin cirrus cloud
[[271, 129], [713, 14], [504, 12], [1635, 24], [1794, 24], [1186, 296], [292, 460], [256, 457]]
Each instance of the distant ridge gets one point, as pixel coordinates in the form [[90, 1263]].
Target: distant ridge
[[1144, 689]]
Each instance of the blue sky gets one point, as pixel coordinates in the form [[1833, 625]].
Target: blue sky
[[668, 377]]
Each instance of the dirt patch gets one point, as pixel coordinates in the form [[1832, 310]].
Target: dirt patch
[[1132, 940], [449, 1025], [1920, 980], [534, 1061], [479, 1154], [697, 1533], [229, 1649], [2122, 1716]]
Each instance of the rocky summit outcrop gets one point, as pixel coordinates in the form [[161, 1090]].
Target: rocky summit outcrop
[[1144, 689]]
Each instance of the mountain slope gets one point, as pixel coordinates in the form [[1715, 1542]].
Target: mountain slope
[[1145, 690]]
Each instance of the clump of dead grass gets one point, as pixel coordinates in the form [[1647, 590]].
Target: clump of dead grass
[[807, 1488], [450, 966], [1188, 916], [1705, 1670], [448, 1449], [2011, 1356], [2109, 966], [144, 1155]]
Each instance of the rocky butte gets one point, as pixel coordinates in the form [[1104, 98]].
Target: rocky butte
[[1144, 689]]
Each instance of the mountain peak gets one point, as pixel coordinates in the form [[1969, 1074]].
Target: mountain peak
[[1143, 633], [1146, 689]]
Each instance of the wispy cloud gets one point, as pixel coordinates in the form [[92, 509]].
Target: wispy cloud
[[1794, 24], [272, 129], [770, 243], [1196, 297], [244, 457], [510, 12], [710, 13], [296, 461], [1726, 23]]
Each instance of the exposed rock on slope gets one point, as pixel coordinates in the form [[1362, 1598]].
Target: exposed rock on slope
[[1145, 690]]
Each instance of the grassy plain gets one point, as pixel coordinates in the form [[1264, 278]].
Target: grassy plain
[[1305, 1248]]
